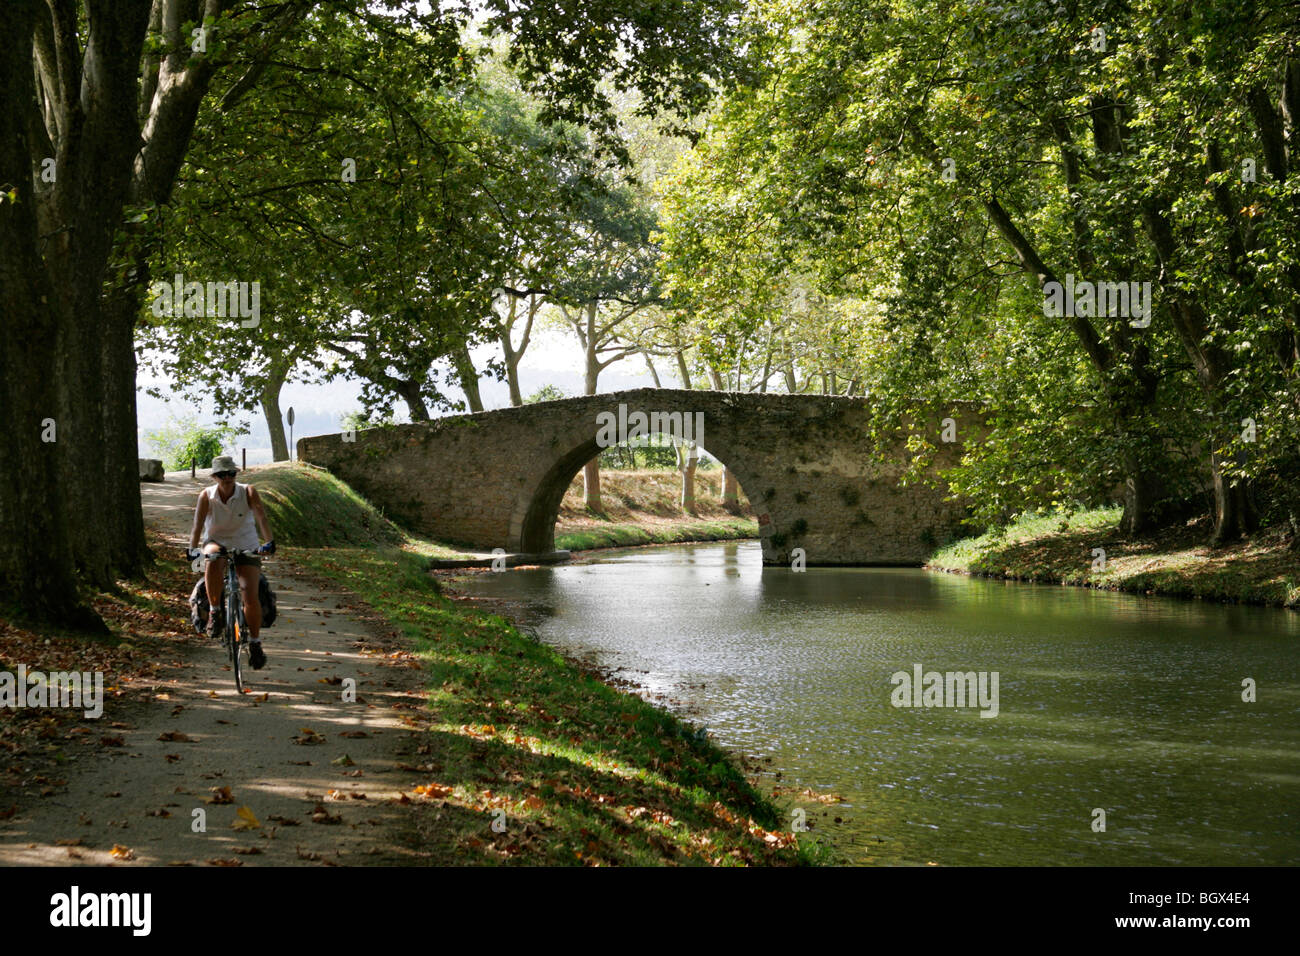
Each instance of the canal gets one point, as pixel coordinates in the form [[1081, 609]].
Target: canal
[[1093, 702]]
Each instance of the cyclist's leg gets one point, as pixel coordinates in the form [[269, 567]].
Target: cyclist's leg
[[214, 575], [248, 576]]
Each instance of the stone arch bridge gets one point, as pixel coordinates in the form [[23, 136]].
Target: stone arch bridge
[[496, 479]]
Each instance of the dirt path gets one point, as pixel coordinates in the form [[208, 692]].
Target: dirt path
[[321, 777]]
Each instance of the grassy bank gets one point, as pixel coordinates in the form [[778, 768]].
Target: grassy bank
[[584, 774], [1175, 561], [643, 507]]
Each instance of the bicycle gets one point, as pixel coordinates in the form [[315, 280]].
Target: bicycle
[[232, 637]]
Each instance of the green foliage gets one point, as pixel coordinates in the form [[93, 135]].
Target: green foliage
[[184, 440], [921, 169], [359, 420], [647, 451], [547, 393]]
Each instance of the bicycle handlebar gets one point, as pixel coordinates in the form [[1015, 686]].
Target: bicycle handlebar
[[226, 553]]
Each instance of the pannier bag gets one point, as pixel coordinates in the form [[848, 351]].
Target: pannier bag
[[199, 609]]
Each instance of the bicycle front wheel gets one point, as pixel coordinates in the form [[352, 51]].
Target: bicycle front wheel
[[238, 632]]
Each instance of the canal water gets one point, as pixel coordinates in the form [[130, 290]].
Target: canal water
[[1132, 706]]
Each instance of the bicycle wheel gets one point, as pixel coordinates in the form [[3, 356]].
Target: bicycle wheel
[[237, 631]]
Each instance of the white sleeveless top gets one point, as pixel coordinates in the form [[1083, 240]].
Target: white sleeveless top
[[230, 523]]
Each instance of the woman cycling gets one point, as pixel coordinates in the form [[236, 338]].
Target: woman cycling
[[224, 517]]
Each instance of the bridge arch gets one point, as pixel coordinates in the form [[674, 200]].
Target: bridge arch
[[532, 523]]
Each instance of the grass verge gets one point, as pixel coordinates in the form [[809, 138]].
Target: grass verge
[[1060, 548], [626, 535]]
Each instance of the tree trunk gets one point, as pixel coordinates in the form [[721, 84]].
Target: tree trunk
[[120, 503], [730, 490], [512, 373], [84, 455], [410, 393], [683, 372], [591, 471], [1141, 492], [36, 565], [270, 399], [1235, 514], [688, 479], [591, 486], [654, 372], [468, 381]]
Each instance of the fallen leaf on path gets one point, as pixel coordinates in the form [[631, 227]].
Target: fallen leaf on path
[[120, 852], [157, 813], [245, 820], [171, 758], [284, 821], [220, 795], [75, 841], [176, 737], [112, 741], [354, 734], [247, 850], [433, 790], [218, 861], [321, 815], [262, 698], [300, 763], [344, 761]]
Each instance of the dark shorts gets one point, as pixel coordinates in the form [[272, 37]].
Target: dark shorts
[[241, 561]]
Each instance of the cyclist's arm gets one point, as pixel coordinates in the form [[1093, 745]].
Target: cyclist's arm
[[259, 513], [200, 516]]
